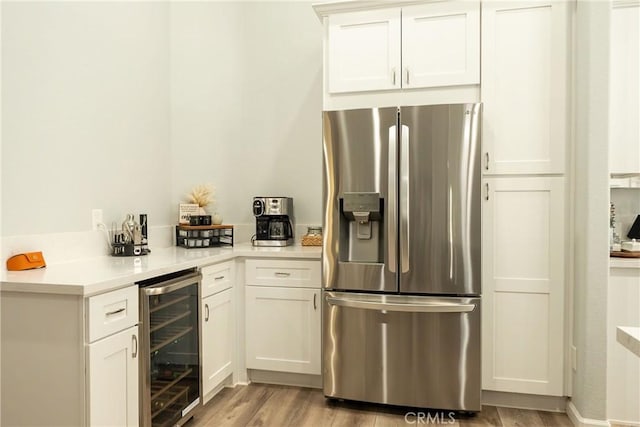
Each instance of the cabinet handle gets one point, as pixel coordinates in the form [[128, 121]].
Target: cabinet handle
[[315, 307], [134, 342], [486, 157], [486, 197], [218, 278], [120, 310], [282, 274], [406, 70], [206, 310], [393, 76]]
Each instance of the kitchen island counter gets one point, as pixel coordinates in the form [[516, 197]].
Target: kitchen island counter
[[96, 275]]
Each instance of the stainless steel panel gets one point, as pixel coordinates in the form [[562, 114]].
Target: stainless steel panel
[[441, 159], [376, 350], [356, 150]]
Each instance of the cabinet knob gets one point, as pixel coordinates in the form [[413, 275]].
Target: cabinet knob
[[206, 310]]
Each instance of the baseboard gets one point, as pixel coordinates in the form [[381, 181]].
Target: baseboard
[[579, 421], [284, 378], [227, 382], [524, 401], [618, 423]]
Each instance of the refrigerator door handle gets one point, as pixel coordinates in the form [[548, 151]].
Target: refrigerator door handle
[[392, 202], [432, 307], [404, 199]]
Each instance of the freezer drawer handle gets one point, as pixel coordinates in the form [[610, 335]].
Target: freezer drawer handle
[[414, 308]]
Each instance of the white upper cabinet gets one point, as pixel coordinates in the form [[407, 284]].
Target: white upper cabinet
[[441, 44], [421, 46], [624, 146], [364, 51], [524, 86]]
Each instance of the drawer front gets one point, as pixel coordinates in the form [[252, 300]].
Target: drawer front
[[293, 273], [217, 277], [112, 312]]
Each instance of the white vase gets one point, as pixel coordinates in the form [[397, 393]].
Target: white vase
[[216, 219]]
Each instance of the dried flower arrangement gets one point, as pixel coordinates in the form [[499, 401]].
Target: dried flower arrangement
[[202, 195]]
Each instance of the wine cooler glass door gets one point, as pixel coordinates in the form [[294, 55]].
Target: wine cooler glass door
[[171, 365]]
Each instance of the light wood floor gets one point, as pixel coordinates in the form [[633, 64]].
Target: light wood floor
[[280, 406]]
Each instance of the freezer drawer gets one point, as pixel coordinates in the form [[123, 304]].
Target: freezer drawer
[[402, 350]]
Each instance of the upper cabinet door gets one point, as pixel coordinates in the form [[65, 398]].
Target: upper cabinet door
[[624, 146], [524, 86], [363, 51], [441, 44]]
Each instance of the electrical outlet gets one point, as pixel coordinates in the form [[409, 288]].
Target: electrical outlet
[[96, 218], [574, 358]]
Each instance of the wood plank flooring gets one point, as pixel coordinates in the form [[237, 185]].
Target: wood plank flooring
[[279, 406]]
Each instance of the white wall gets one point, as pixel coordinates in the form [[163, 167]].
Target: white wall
[[85, 111], [246, 107], [126, 106], [591, 207]]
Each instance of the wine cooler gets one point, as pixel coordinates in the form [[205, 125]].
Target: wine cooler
[[170, 360]]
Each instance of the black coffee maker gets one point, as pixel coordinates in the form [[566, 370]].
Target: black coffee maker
[[274, 221]]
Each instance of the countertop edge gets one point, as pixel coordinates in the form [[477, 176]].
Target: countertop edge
[[122, 272], [615, 262]]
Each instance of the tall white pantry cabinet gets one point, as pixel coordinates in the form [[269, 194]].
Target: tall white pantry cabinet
[[514, 58]]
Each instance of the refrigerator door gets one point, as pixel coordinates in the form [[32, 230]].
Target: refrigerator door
[[402, 350], [359, 199], [439, 199]]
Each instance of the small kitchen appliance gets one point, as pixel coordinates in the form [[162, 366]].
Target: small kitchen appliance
[[274, 221]]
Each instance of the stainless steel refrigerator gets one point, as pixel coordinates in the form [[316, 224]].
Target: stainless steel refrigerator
[[401, 255]]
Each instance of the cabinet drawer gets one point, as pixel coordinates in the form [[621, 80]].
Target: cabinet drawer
[[217, 277], [302, 274], [112, 312]]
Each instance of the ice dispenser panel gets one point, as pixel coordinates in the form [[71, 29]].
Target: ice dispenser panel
[[361, 230]]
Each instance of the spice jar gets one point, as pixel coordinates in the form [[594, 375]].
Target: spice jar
[[313, 236]]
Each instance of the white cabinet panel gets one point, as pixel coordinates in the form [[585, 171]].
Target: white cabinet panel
[[523, 285], [364, 50], [217, 339], [112, 312], [283, 329], [296, 273], [524, 86], [216, 278], [417, 46], [441, 44], [624, 148], [113, 380]]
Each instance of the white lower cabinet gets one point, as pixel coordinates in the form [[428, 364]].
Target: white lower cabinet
[[283, 329], [113, 380], [217, 337], [523, 285]]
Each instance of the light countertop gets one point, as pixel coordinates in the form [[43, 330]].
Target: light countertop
[[624, 262], [101, 274], [629, 336]]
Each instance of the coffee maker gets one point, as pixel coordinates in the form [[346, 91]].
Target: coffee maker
[[274, 221]]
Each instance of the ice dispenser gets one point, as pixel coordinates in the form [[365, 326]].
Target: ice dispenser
[[361, 230]]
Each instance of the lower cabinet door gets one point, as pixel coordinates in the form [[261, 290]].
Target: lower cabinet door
[[523, 251], [217, 339], [283, 329], [113, 380]]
